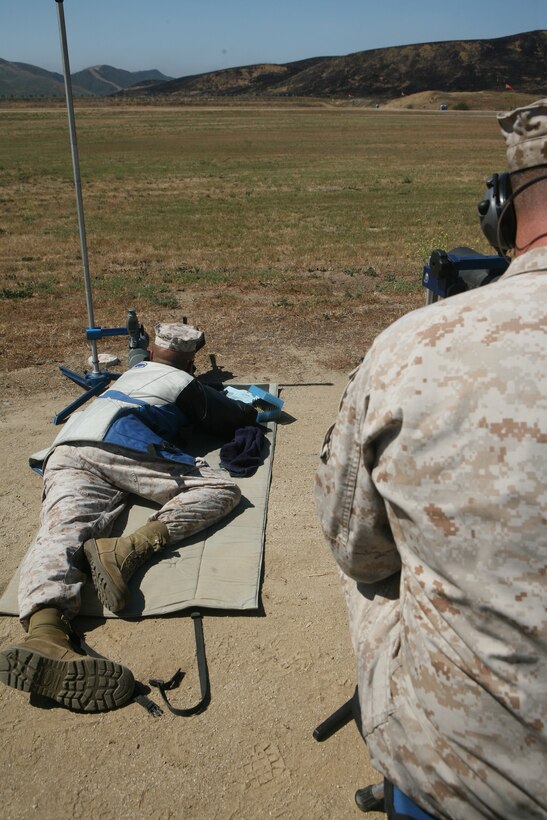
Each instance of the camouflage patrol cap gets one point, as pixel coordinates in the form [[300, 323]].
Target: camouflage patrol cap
[[179, 337], [525, 133]]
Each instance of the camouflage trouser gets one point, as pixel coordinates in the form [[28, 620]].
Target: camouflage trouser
[[85, 489]]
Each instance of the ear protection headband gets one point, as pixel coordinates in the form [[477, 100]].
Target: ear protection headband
[[497, 214]]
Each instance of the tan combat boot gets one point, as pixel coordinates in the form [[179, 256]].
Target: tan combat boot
[[114, 560], [45, 663]]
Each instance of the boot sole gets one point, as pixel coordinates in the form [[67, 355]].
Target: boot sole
[[87, 685], [107, 593]]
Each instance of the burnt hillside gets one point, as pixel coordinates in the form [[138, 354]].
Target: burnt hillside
[[456, 65]]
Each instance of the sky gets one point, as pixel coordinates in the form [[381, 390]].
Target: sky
[[182, 37]]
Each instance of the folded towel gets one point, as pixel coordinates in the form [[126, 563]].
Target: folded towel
[[242, 456], [239, 395]]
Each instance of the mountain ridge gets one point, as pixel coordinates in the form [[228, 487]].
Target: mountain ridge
[[103, 80], [23, 80], [515, 61], [449, 65]]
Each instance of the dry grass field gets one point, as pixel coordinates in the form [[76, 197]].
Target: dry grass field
[[281, 230]]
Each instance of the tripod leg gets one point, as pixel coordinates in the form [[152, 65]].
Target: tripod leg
[[335, 721], [371, 798]]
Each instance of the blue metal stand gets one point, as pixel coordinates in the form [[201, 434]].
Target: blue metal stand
[[93, 382]]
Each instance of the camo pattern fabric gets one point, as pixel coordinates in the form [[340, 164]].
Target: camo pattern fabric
[[432, 494], [525, 134], [85, 489], [179, 337]]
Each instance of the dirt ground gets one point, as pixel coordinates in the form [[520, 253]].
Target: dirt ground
[[275, 674]]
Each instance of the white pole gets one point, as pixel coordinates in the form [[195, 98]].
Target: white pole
[[77, 181]]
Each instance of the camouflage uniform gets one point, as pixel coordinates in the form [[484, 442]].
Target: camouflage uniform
[[432, 492], [86, 482], [85, 489]]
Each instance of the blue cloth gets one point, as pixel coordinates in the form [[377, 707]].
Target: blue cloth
[[242, 456], [147, 429]]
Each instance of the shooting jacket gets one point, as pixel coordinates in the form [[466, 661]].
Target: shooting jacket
[[432, 494], [146, 411]]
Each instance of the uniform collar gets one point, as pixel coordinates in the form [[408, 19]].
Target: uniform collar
[[534, 260]]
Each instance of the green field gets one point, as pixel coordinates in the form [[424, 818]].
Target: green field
[[314, 213]]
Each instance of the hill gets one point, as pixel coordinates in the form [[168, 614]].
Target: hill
[[22, 80], [519, 60], [102, 80], [373, 76]]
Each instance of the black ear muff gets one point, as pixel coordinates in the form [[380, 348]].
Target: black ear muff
[[497, 214]]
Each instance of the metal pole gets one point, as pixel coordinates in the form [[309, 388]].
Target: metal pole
[[77, 181]]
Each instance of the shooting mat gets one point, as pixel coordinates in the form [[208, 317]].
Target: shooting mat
[[218, 568]]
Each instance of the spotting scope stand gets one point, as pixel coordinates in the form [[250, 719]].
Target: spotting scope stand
[[96, 380], [92, 382]]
